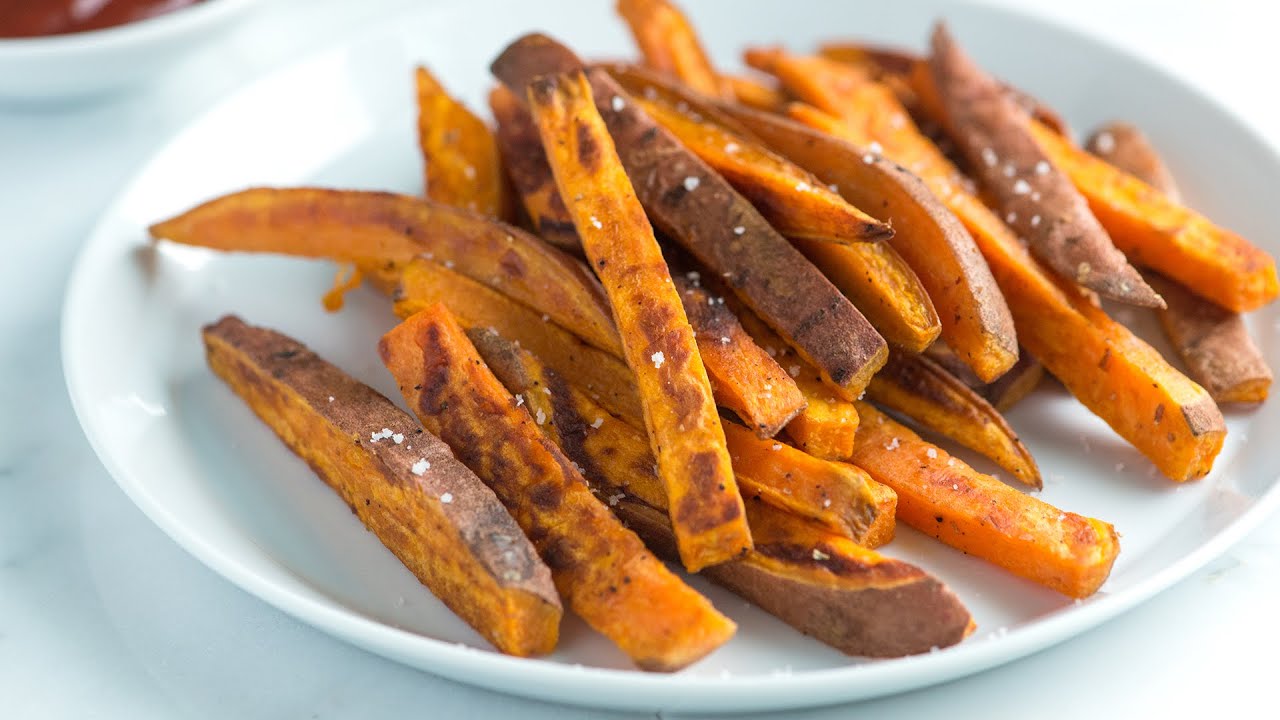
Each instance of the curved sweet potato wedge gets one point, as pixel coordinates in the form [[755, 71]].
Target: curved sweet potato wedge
[[1170, 419], [979, 515], [382, 231], [1036, 200], [975, 319], [405, 485], [424, 283], [669, 44], [526, 165], [922, 390], [822, 583], [601, 569], [693, 205], [461, 164]]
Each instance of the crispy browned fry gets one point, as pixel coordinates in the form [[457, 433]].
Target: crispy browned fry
[[603, 570], [974, 316], [922, 390], [1212, 341], [1126, 147], [1123, 380], [526, 165], [425, 506], [791, 199], [382, 231], [610, 381], [843, 501], [755, 93], [977, 514], [692, 204], [657, 341], [844, 595], [1037, 201], [1003, 393], [896, 66], [1214, 344], [462, 165], [744, 378], [669, 43]]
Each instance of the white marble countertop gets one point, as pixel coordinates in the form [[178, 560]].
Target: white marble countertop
[[101, 615]]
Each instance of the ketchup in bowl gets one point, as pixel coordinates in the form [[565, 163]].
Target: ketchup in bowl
[[34, 18]]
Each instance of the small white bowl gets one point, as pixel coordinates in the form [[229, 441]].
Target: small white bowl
[[78, 65]]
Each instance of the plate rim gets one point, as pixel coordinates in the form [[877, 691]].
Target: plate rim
[[629, 689]]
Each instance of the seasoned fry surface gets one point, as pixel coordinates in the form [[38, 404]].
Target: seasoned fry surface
[[657, 341], [600, 567], [460, 155], [425, 506]]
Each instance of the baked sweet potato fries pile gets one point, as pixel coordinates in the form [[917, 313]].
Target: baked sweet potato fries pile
[[655, 311]]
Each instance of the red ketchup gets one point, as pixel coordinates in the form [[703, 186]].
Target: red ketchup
[[33, 18]]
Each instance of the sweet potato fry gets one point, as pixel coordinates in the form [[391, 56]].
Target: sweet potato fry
[[669, 44], [744, 378], [979, 515], [608, 450], [383, 231], [1037, 201], [526, 165], [425, 506], [1212, 341], [922, 390], [602, 569], [657, 341], [1158, 233], [1214, 344], [424, 283], [791, 199], [1003, 393], [835, 590], [974, 317], [692, 204], [460, 157], [755, 93], [1121, 379]]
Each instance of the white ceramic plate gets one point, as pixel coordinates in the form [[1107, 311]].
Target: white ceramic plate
[[208, 473]]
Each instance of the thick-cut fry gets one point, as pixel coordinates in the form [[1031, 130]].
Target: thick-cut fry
[[922, 390], [744, 378], [896, 66], [526, 164], [669, 43], [974, 316], [382, 231], [1006, 391], [424, 283], [979, 515], [462, 165], [754, 93], [1036, 200], [692, 204], [657, 341], [844, 502], [824, 584], [1121, 379], [1214, 344], [1212, 341], [602, 569], [425, 506]]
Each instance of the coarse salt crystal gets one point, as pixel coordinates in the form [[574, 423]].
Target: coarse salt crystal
[[330, 398], [448, 264], [1021, 187], [892, 445], [826, 502], [1105, 142], [803, 186], [541, 417], [931, 453], [446, 498], [617, 103], [794, 371], [989, 157], [875, 147], [819, 555], [739, 230], [1011, 217], [1010, 170], [519, 399], [724, 341], [731, 147], [597, 423], [420, 467], [691, 183], [955, 486], [658, 358], [1035, 220], [1042, 167], [833, 188], [596, 222], [869, 158], [613, 499], [397, 438], [777, 446]]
